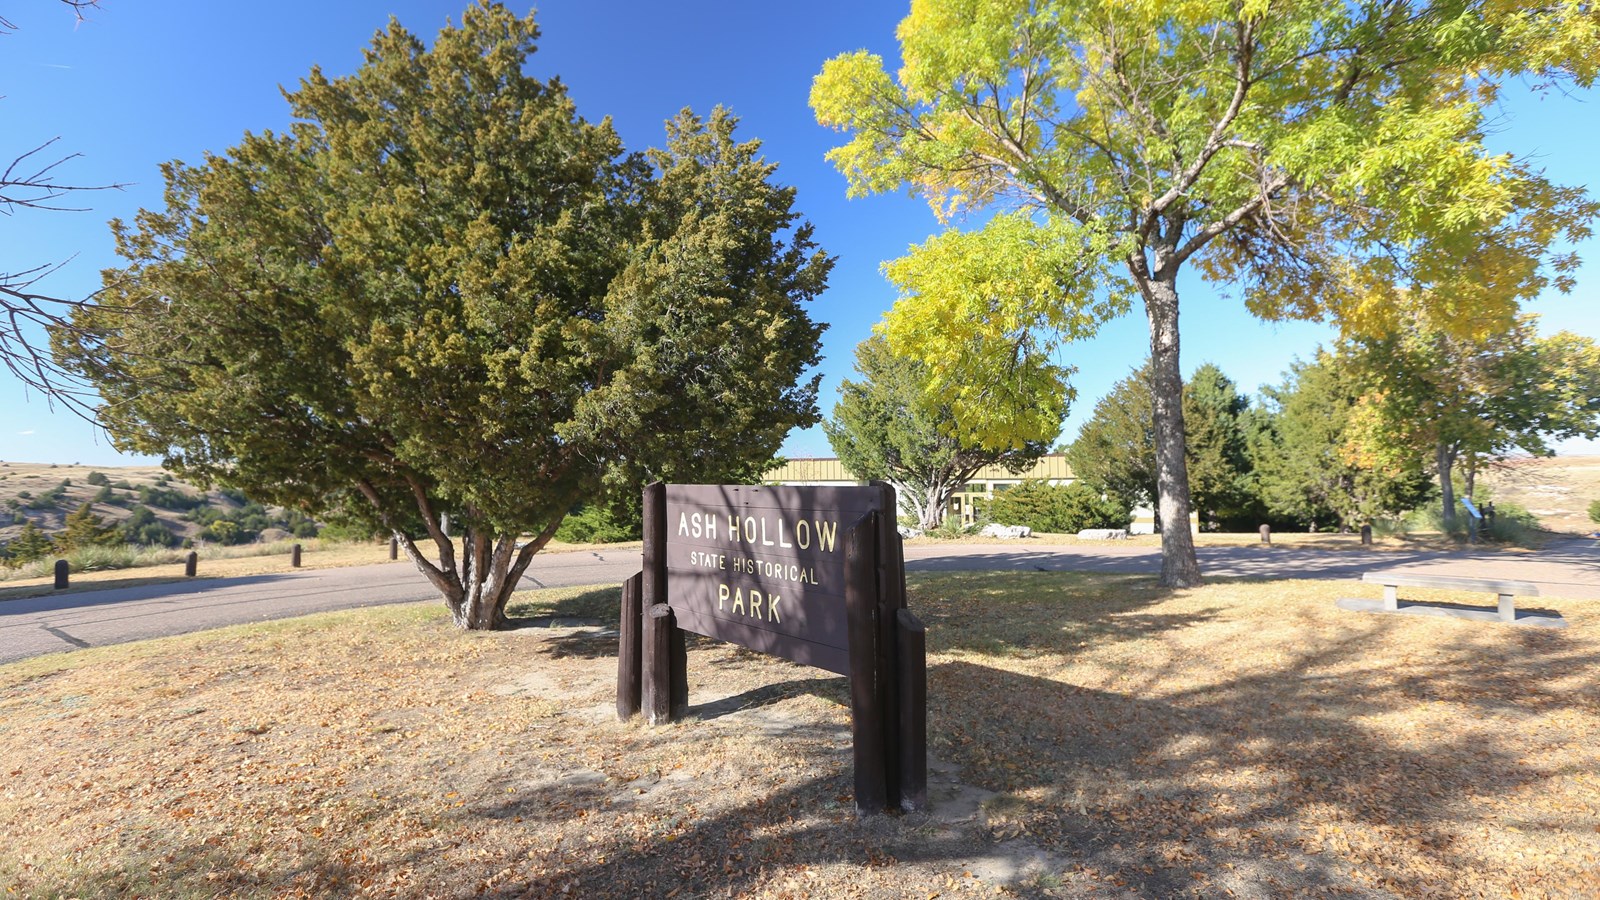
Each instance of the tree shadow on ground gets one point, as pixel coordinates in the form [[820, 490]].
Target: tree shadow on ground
[[603, 603], [1164, 790], [1157, 779]]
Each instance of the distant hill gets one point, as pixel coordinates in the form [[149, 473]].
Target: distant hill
[[1557, 490], [161, 508]]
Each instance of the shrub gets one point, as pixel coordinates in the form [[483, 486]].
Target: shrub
[[1061, 509], [1513, 524], [98, 478], [598, 525], [346, 531], [1594, 511], [168, 498]]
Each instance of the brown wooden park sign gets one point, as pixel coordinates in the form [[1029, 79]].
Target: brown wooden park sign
[[812, 574]]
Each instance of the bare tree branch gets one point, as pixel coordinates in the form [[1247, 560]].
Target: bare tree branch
[[29, 182]]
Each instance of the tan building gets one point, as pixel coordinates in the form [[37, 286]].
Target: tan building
[[989, 480]]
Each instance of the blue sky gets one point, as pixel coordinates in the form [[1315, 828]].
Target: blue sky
[[142, 83]]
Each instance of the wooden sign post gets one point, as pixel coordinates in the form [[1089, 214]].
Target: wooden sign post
[[812, 574]]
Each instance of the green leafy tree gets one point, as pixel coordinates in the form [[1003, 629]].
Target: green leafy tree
[[1450, 400], [83, 528], [1319, 158], [31, 544], [893, 425], [1057, 508], [445, 306], [1309, 462]]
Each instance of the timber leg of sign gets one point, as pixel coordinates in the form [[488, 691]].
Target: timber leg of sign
[[629, 650], [888, 676], [913, 692], [663, 669]]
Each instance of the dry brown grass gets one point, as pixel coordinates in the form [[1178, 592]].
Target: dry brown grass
[[247, 559], [315, 555], [1239, 737], [1297, 540]]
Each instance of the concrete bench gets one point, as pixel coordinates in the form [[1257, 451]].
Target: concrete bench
[[1506, 589]]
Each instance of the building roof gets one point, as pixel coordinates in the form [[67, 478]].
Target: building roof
[[829, 469]]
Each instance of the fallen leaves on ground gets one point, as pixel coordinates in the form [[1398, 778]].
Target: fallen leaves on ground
[[1237, 739]]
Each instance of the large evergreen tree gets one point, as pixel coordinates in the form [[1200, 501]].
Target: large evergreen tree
[[1115, 450], [1213, 412], [1319, 158], [448, 307], [1310, 461], [83, 528], [30, 544]]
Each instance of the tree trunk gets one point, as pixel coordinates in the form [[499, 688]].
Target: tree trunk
[[476, 590], [1179, 567], [933, 504], [1444, 458]]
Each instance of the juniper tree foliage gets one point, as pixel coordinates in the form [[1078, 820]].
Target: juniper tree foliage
[[30, 544], [1115, 450], [890, 426], [444, 297], [1319, 158], [1311, 462], [83, 528]]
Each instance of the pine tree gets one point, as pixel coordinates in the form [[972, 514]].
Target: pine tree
[[83, 529], [30, 545]]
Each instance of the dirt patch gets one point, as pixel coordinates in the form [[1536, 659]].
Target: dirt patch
[[1091, 735]]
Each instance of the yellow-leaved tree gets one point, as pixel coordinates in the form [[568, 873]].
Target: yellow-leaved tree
[[1318, 158]]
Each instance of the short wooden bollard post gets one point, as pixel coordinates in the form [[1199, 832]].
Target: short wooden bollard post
[[61, 574], [628, 649], [394, 548], [1366, 535], [190, 563], [1266, 534], [294, 556]]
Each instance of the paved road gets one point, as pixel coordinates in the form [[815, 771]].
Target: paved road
[[1567, 569]]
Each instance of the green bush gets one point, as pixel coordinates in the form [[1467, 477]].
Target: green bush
[[1059, 509], [98, 478], [1594, 511], [597, 525], [348, 533], [168, 498], [1513, 524]]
